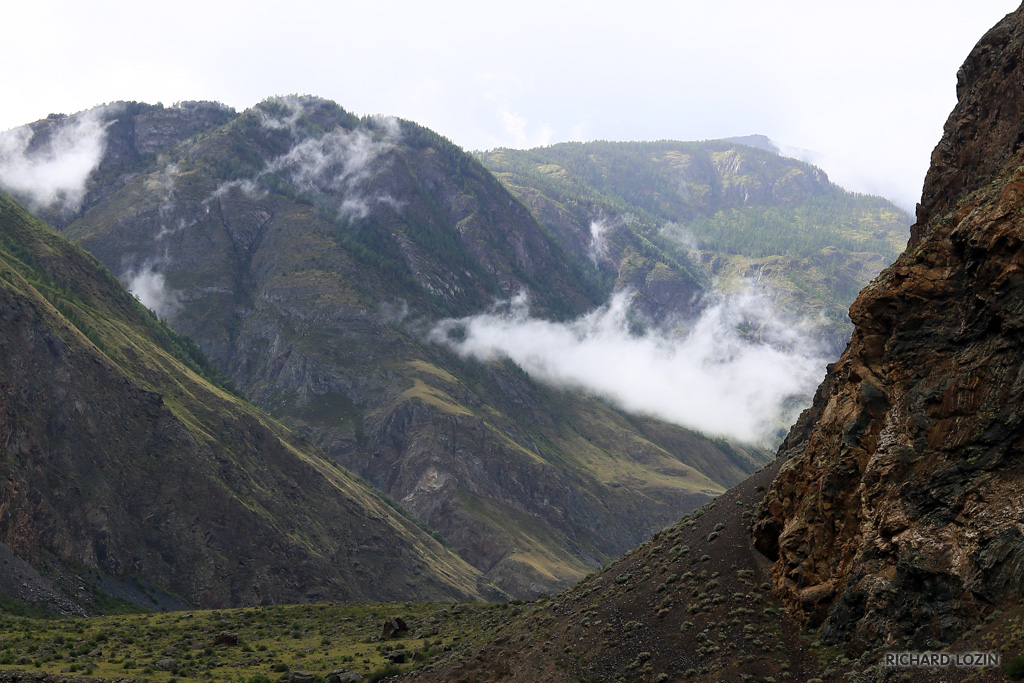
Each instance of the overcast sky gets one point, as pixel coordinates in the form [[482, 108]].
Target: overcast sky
[[866, 86]]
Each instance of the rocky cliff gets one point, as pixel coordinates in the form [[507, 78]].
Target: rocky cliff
[[897, 518]]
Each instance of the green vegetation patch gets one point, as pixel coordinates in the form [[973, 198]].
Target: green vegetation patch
[[262, 643]]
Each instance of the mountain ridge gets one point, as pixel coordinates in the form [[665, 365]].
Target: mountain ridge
[[305, 249], [309, 251]]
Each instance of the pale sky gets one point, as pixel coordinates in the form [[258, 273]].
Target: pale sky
[[866, 86]]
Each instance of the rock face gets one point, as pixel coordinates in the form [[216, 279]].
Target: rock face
[[897, 518]]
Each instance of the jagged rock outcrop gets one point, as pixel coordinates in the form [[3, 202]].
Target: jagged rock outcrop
[[898, 518]]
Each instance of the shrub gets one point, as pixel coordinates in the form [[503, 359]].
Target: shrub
[[382, 673], [1015, 668]]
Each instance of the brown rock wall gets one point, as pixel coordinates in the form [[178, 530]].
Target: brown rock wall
[[898, 517]]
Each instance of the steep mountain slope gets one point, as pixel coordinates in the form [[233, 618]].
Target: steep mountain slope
[[898, 516], [690, 604], [308, 253], [670, 213], [120, 463]]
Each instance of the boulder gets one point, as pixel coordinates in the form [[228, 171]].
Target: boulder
[[226, 638], [393, 626]]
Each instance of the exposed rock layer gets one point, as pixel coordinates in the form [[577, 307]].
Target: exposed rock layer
[[898, 517]]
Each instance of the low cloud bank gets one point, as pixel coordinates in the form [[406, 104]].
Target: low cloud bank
[[598, 250], [53, 173], [736, 371]]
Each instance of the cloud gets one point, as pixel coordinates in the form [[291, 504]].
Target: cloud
[[735, 371], [245, 186], [150, 287], [598, 249], [394, 313], [682, 237], [518, 129], [53, 171], [340, 160], [291, 104], [389, 125], [337, 161], [162, 187]]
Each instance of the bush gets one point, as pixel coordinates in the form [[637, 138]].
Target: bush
[[1015, 668], [382, 673]]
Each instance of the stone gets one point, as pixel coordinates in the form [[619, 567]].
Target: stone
[[226, 638], [393, 626]]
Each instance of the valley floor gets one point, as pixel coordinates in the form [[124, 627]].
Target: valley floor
[[254, 645]]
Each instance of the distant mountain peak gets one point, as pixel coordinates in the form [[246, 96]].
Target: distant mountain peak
[[756, 140]]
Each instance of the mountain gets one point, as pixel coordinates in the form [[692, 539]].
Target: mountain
[[311, 253], [759, 141], [127, 472], [891, 520], [715, 214]]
